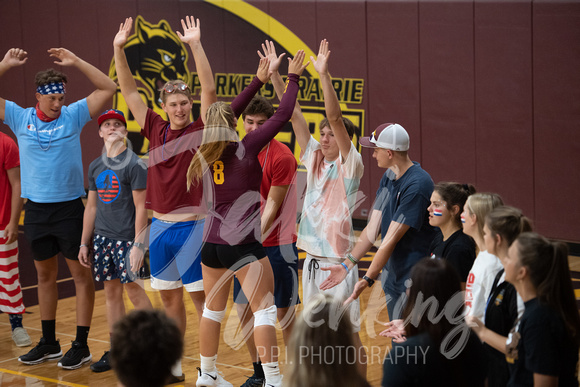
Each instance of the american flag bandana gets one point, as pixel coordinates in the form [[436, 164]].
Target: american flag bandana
[[51, 88]]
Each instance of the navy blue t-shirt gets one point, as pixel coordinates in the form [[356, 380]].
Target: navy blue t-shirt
[[405, 201], [544, 347]]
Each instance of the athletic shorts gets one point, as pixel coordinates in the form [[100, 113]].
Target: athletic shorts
[[112, 260], [175, 255], [312, 277], [231, 257], [51, 228], [284, 262]]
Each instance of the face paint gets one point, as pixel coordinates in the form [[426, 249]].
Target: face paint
[[437, 212], [462, 218]]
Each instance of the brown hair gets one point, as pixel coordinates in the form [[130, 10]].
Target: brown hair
[[507, 222], [348, 124], [218, 132], [49, 76], [547, 264], [434, 283], [259, 105], [454, 194]]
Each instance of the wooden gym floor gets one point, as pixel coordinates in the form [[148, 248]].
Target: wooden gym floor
[[233, 360]]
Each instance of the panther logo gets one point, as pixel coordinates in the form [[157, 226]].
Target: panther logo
[[155, 55]]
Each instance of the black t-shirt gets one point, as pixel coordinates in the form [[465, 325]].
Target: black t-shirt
[[458, 249], [544, 347], [420, 362], [500, 316]]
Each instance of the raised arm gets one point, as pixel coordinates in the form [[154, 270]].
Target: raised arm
[[192, 36], [299, 124], [331, 105], [13, 58], [240, 103], [105, 87], [126, 81]]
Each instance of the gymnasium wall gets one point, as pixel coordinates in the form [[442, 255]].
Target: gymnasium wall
[[489, 91]]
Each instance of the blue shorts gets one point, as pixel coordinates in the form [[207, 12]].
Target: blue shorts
[[111, 260], [284, 262], [175, 253]]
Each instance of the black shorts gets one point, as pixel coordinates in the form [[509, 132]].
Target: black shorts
[[231, 257], [51, 228]]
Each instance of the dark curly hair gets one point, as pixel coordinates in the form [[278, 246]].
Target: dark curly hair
[[145, 344], [49, 76]]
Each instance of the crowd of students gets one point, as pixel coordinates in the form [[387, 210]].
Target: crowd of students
[[464, 278]]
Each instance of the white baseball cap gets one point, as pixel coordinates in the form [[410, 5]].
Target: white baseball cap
[[387, 136]]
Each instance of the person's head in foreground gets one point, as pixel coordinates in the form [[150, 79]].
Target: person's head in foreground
[[145, 344]]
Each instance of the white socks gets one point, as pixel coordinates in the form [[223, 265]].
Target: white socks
[[272, 372], [208, 363], [176, 369]]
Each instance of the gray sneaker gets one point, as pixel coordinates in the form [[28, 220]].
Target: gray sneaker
[[20, 337]]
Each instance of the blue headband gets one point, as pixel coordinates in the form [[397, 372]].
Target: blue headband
[[51, 88]]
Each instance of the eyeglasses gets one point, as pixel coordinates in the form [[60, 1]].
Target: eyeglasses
[[171, 88]]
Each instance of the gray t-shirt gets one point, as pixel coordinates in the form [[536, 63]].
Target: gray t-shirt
[[114, 180]]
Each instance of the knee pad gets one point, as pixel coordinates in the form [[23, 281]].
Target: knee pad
[[216, 316], [265, 316]]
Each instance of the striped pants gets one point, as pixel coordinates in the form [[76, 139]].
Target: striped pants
[[10, 292]]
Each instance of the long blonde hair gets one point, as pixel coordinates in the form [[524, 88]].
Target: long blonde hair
[[218, 132], [481, 204]]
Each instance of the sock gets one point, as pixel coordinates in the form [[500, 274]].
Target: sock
[[15, 320], [82, 334], [48, 331], [176, 369], [258, 370], [272, 372], [208, 363]]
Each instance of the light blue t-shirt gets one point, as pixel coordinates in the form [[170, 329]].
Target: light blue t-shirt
[[51, 166]]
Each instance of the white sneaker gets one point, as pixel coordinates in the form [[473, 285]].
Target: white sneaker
[[20, 337], [211, 379]]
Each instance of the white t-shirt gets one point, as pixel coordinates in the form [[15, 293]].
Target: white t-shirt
[[326, 223], [479, 283]]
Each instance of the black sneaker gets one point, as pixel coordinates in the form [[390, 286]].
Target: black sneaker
[[102, 365], [75, 357], [41, 353], [254, 381], [175, 379]]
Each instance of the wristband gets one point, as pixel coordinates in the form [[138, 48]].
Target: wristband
[[83, 246], [370, 281], [351, 258], [139, 245], [345, 267]]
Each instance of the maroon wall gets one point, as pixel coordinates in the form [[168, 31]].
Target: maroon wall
[[489, 91]]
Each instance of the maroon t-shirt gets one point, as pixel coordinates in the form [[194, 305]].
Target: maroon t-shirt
[[234, 216], [170, 153]]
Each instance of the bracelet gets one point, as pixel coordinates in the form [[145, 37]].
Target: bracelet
[[83, 246], [345, 267], [351, 258], [139, 245]]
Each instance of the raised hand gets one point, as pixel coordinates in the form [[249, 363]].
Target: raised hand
[[64, 57], [191, 30], [321, 61], [395, 330], [262, 72], [270, 52], [296, 65], [124, 31], [15, 57]]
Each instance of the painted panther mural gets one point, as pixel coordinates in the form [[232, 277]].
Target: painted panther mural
[[155, 55]]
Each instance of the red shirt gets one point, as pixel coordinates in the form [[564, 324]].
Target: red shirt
[[279, 168], [9, 159], [170, 153]]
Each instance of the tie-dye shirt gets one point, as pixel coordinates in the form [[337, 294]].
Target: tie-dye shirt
[[331, 197]]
